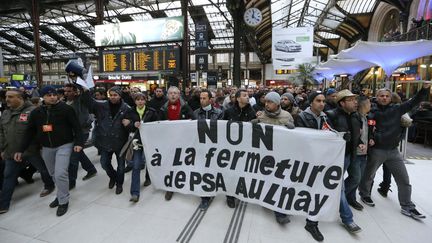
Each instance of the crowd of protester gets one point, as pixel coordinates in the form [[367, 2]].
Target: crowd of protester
[[45, 130]]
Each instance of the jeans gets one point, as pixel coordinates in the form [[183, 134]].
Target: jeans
[[11, 172], [106, 164], [344, 209], [57, 162], [385, 184], [355, 173], [137, 163], [394, 162], [85, 163]]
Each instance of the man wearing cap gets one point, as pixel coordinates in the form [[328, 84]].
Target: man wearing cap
[[111, 133], [13, 124], [56, 127], [273, 114], [345, 119], [386, 117], [331, 96]]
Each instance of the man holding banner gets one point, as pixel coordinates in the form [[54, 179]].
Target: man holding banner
[[314, 117], [207, 111], [257, 163], [274, 115], [175, 109], [240, 111]]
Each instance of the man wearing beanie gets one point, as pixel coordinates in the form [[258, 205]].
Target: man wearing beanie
[[331, 95], [274, 115], [111, 133], [289, 104], [56, 127]]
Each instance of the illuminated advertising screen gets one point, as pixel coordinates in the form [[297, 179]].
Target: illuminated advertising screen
[[139, 32]]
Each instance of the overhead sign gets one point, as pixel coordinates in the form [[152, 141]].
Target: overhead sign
[[291, 46], [138, 32], [212, 78], [201, 37], [289, 171], [201, 62], [142, 59]]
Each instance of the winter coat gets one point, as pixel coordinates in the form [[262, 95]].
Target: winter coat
[[60, 123], [13, 125], [309, 120], [110, 134], [81, 108], [213, 114], [283, 119], [235, 113], [387, 121], [157, 103], [185, 111], [348, 123], [149, 115]]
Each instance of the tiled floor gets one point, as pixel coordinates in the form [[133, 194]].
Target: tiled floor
[[96, 214]]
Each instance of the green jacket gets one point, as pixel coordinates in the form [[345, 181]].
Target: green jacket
[[13, 124]]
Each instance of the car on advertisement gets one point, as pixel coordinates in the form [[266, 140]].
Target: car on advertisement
[[288, 46]]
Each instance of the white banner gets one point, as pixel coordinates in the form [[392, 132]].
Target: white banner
[[295, 171], [291, 46]]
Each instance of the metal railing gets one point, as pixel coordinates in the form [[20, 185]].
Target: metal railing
[[423, 32]]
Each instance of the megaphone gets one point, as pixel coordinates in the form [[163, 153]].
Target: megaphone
[[74, 67]]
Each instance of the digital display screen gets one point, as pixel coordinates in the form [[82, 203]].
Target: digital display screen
[[143, 59]]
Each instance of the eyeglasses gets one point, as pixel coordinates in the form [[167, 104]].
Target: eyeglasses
[[350, 99]]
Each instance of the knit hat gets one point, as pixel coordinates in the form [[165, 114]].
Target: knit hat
[[116, 89], [313, 95], [290, 97], [273, 97], [331, 91], [47, 90]]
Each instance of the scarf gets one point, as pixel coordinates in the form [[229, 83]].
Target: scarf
[[174, 111], [273, 114], [140, 112]]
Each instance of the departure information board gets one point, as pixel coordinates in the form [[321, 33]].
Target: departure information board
[[143, 59]]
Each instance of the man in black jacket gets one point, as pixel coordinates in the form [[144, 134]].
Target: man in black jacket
[[386, 138], [56, 127], [207, 111], [80, 106], [158, 99], [314, 117], [345, 119], [241, 111], [111, 134]]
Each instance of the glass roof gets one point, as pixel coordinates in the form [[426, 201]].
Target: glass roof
[[59, 24]]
